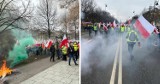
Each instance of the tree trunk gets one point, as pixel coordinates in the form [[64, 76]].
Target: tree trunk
[[49, 33], [48, 22], [75, 30]]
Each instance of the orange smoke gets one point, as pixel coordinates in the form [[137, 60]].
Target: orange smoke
[[4, 70]]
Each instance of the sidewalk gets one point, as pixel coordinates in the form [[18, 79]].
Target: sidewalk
[[60, 73]]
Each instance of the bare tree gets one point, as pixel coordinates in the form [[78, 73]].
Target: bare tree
[[46, 18], [88, 6], [65, 22], [66, 3], [66, 19], [93, 13], [74, 16], [11, 14]]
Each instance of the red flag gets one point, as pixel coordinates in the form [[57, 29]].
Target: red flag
[[110, 24], [43, 46], [105, 28], [64, 42], [155, 30], [49, 44], [144, 27], [114, 24]]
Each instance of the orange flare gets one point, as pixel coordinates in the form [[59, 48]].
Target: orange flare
[[4, 70]]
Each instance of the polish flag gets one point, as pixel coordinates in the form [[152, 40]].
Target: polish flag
[[144, 27], [110, 24], [114, 24], [104, 27], [64, 42], [43, 46], [49, 44], [155, 30]]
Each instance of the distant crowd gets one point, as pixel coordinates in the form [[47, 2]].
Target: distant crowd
[[56, 50]]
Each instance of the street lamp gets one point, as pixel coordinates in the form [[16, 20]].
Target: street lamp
[[134, 13], [105, 6], [155, 4]]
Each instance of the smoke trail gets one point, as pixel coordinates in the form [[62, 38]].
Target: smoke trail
[[99, 52], [4, 46], [18, 54]]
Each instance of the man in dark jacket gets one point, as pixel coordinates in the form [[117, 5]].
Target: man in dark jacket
[[52, 50], [71, 54]]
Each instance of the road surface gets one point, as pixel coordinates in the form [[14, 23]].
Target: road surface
[[108, 62]]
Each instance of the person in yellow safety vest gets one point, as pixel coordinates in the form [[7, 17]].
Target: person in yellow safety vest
[[131, 38], [122, 29], [95, 29], [75, 46], [64, 53], [71, 53]]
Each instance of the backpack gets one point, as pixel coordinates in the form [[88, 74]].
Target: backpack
[[132, 36]]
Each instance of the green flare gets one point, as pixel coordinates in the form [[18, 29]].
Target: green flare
[[19, 54]]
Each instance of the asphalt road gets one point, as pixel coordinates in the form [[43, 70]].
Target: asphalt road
[[144, 69]]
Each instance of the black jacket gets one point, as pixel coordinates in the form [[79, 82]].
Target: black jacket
[[52, 49], [71, 50]]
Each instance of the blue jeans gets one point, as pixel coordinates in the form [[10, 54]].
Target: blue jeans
[[58, 53], [72, 56], [130, 47]]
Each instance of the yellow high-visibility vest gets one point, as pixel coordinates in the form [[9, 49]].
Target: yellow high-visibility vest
[[122, 29], [128, 35], [64, 50], [95, 27], [75, 46]]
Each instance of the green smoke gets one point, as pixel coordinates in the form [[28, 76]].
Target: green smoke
[[18, 54]]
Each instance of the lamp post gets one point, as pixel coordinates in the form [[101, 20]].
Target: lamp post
[[154, 11], [105, 6], [134, 13]]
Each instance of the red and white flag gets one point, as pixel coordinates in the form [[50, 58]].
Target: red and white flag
[[114, 24], [49, 44], [43, 45], [155, 30], [110, 24], [105, 28], [100, 25], [64, 42], [144, 27]]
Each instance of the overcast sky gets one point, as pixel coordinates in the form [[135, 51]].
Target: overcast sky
[[123, 9]]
